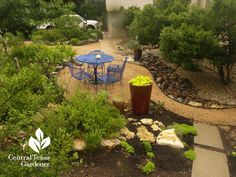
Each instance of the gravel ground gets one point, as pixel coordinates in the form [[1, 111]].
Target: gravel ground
[[208, 84]]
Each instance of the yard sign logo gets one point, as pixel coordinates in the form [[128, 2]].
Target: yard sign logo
[[39, 143]]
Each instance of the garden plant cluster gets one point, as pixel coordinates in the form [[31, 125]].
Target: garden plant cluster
[[187, 34], [31, 98]]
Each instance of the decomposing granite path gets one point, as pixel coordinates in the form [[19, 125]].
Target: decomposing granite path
[[212, 116]]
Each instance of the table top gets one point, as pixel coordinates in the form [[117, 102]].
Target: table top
[[92, 58]]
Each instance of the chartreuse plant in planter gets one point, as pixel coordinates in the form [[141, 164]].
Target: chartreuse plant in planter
[[141, 81], [233, 154]]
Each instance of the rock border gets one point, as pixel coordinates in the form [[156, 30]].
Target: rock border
[[197, 104]]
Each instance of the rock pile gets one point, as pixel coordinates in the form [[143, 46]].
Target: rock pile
[[174, 86]]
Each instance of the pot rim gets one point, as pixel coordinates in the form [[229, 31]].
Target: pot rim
[[140, 85]]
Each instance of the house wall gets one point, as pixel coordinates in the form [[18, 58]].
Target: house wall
[[116, 4], [115, 19], [202, 3]]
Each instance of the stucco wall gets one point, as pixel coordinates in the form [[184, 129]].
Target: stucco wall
[[202, 3], [116, 4]]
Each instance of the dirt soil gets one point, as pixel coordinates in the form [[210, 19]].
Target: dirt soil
[[117, 163], [228, 135]]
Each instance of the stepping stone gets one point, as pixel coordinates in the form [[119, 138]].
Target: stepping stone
[[208, 135], [209, 164]]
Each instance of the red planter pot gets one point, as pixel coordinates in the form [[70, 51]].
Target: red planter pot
[[140, 98]]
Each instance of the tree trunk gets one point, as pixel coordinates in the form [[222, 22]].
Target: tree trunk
[[221, 73], [228, 73]]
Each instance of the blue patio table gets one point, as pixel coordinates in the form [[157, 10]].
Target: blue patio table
[[95, 60]]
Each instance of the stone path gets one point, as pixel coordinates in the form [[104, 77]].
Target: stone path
[[213, 116], [211, 161]]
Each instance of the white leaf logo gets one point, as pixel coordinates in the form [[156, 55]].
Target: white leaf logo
[[39, 134], [39, 143], [45, 142]]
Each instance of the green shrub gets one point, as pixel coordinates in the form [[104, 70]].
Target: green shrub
[[93, 139], [184, 129], [149, 22], [67, 30], [187, 44], [23, 94], [74, 41], [127, 147], [190, 154], [86, 116], [58, 151], [148, 168], [91, 117], [95, 34], [150, 155], [147, 146], [46, 57], [9, 41]]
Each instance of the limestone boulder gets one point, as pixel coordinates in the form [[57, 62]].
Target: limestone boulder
[[155, 128], [79, 145], [195, 104], [147, 121], [127, 133], [110, 143], [160, 124], [169, 138], [145, 135]]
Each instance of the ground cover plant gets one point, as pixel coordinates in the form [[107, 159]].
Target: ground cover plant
[[190, 154], [140, 163], [127, 147], [63, 123], [184, 129], [148, 167], [229, 141], [31, 99]]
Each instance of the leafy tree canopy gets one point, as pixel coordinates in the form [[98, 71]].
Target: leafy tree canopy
[[24, 15]]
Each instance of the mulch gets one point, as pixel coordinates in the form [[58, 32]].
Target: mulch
[[117, 163]]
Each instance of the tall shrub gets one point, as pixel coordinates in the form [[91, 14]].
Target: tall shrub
[[187, 44]]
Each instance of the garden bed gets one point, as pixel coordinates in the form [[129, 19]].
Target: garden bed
[[169, 162], [176, 87], [228, 135]]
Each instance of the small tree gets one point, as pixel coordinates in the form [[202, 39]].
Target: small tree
[[187, 44], [148, 23], [223, 23], [8, 40], [24, 15]]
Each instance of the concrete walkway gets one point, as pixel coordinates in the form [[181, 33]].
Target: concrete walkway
[[211, 161], [213, 116]]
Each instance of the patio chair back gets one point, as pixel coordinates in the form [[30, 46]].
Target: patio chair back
[[96, 52], [123, 66], [77, 72], [113, 76], [71, 68]]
